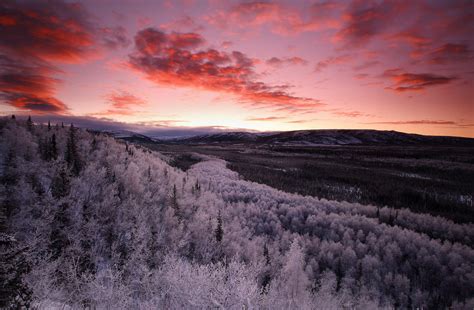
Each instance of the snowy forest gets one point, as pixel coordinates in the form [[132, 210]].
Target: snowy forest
[[88, 221]]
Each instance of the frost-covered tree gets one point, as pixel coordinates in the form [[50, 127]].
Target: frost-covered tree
[[108, 235], [14, 291]]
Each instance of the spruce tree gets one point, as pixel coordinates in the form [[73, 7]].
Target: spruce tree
[[49, 125], [174, 201], [266, 255], [60, 185], [219, 232], [53, 147], [29, 124], [72, 157], [58, 238]]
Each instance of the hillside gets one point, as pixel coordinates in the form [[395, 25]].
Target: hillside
[[325, 137], [89, 221]]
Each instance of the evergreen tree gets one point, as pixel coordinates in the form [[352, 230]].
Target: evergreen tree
[[266, 279], [72, 156], [29, 124], [13, 117], [49, 125], [266, 255], [58, 238], [219, 232], [174, 201], [53, 147], [60, 184]]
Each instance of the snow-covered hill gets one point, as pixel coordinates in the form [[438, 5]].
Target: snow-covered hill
[[88, 221]]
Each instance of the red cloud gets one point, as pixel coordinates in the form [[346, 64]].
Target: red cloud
[[332, 61], [33, 36], [121, 103], [48, 31], [28, 87], [404, 81], [35, 104], [164, 61]]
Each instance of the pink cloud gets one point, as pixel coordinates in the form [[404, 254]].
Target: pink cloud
[[338, 60]]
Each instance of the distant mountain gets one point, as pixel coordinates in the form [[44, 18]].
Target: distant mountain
[[224, 137], [128, 135], [325, 137]]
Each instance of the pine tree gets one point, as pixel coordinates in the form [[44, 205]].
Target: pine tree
[[43, 148], [174, 201], [49, 125], [13, 117], [266, 279], [266, 255], [53, 147], [339, 275], [29, 124], [60, 184], [72, 157], [58, 238], [219, 232]]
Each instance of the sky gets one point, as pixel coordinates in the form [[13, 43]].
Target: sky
[[255, 65]]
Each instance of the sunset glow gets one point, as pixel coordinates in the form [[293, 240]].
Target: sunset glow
[[262, 65]]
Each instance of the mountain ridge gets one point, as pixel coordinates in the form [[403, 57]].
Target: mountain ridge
[[322, 137]]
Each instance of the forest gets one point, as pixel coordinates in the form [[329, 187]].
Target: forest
[[88, 221]]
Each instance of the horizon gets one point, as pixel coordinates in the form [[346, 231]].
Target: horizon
[[178, 132], [192, 66]]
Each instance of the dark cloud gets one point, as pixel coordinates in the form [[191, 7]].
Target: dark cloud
[[337, 60], [28, 86], [47, 30], [172, 59], [278, 62], [451, 53], [115, 37], [405, 81], [36, 35], [365, 20]]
